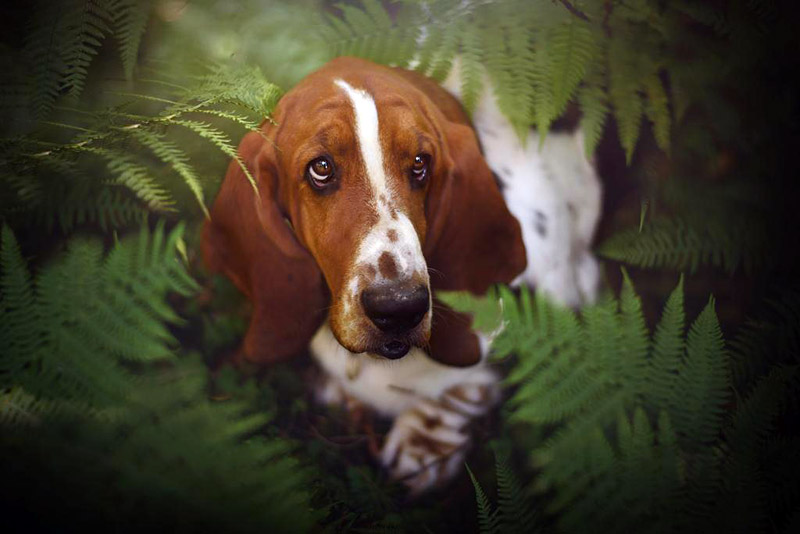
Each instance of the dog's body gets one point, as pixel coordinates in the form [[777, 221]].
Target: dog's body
[[373, 179]]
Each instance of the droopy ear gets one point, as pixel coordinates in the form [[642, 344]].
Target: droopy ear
[[473, 241], [452, 340], [249, 240]]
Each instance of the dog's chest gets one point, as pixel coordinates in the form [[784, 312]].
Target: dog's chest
[[388, 387]]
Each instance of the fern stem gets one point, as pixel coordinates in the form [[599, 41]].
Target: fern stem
[[144, 97], [69, 126], [164, 83]]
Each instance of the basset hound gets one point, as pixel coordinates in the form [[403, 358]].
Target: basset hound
[[374, 194]]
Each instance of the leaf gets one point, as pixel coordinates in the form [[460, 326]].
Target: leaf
[[487, 519], [130, 19], [657, 110], [624, 88]]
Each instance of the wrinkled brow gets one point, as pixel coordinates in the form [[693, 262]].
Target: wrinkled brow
[[328, 105], [394, 102]]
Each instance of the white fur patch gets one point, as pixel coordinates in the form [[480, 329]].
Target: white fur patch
[[367, 132], [432, 404], [405, 250], [553, 191], [393, 386]]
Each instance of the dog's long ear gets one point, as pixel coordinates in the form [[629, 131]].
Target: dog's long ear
[[452, 340], [473, 241], [249, 240]]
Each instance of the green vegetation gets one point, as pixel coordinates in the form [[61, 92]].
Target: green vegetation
[[660, 408]]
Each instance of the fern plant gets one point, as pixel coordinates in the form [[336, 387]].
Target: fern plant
[[66, 36], [127, 145], [166, 456], [640, 423], [65, 334], [539, 56], [512, 513], [722, 225], [93, 394]]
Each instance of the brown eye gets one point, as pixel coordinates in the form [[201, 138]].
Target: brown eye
[[419, 169], [320, 172]]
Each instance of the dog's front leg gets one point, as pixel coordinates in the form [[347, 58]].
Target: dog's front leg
[[433, 405], [428, 443]]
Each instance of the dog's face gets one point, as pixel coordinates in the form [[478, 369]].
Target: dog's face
[[356, 165], [371, 179]]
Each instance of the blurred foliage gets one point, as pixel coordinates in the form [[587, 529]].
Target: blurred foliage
[[641, 422], [118, 118]]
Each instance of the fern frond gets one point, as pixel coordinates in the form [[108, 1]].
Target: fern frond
[[88, 313], [470, 68], [19, 408], [190, 462], [594, 106], [657, 110], [703, 385], [86, 30], [487, 518], [513, 513], [594, 382], [624, 92], [43, 52], [129, 22], [442, 60], [522, 69], [19, 327], [634, 336], [771, 338], [173, 156], [239, 85], [222, 142], [572, 49], [755, 416], [663, 242], [667, 356], [136, 177]]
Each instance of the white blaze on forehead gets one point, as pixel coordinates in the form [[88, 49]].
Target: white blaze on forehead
[[368, 135], [406, 250]]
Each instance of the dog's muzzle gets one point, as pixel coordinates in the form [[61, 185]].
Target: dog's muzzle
[[396, 309]]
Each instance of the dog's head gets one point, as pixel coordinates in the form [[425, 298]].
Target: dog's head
[[370, 181]]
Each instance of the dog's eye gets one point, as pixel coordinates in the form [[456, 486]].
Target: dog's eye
[[320, 172], [419, 169]]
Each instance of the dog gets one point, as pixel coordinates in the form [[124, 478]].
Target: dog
[[374, 191]]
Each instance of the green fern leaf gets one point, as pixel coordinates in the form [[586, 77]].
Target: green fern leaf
[[513, 514], [624, 87], [594, 106], [487, 518], [136, 177], [634, 342], [88, 313], [471, 69], [572, 49], [657, 110], [176, 158], [544, 109], [87, 28], [446, 51], [667, 354], [702, 388], [221, 141], [129, 21], [19, 327]]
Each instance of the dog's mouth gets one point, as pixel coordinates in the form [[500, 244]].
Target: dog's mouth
[[394, 349]]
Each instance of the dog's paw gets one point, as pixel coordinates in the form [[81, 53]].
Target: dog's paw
[[427, 445]]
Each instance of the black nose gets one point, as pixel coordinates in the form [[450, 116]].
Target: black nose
[[394, 308]]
